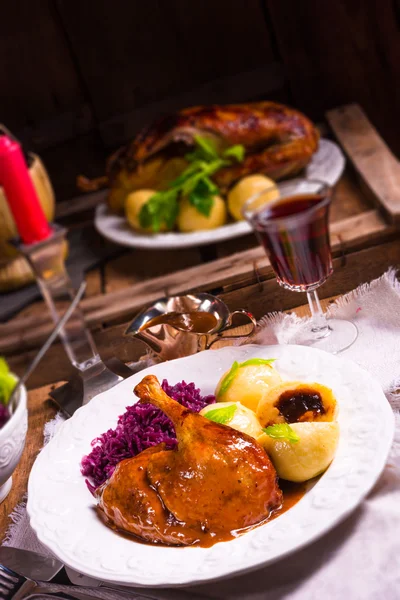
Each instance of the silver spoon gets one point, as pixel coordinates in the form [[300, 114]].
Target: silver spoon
[[12, 403]]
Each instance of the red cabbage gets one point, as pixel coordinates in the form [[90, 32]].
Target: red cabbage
[[141, 426]]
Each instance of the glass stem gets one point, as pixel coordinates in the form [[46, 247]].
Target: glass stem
[[320, 326]]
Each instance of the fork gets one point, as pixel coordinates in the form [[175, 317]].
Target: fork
[[17, 587]]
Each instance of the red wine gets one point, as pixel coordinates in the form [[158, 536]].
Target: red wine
[[294, 233]]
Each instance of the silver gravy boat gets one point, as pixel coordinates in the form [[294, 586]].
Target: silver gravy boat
[[170, 341]]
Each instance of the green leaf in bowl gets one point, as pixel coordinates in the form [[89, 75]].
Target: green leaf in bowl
[[7, 382]]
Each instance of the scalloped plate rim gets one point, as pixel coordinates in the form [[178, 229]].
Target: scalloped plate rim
[[191, 578]]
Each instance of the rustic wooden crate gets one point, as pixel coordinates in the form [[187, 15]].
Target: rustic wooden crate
[[364, 241]]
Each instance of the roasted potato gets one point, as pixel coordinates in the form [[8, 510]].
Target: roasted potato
[[248, 187], [190, 219], [133, 204]]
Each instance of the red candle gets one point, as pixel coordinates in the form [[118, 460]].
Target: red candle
[[21, 195]]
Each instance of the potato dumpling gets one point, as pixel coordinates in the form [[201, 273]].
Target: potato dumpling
[[248, 383], [116, 200], [133, 204], [294, 401], [247, 187], [309, 456], [190, 219], [243, 419]]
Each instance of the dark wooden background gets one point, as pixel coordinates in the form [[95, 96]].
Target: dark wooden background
[[81, 77]]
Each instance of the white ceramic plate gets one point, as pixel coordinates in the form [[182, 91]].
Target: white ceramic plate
[[62, 512], [327, 165]]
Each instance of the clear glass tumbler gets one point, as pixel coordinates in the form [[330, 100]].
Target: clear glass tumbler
[[293, 226]]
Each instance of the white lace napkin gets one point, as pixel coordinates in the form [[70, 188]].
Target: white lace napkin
[[360, 558]]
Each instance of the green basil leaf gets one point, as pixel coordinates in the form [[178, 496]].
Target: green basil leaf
[[229, 377], [237, 152], [257, 361], [221, 415], [282, 431]]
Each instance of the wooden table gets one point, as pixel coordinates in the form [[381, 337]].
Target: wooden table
[[364, 218], [40, 410], [364, 238]]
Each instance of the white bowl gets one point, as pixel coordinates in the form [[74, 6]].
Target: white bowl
[[12, 442]]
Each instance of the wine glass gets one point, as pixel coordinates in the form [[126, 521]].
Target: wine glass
[[291, 222]]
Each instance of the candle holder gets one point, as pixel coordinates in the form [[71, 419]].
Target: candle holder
[[42, 246], [47, 262]]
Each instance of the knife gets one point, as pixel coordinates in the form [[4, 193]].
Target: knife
[[30, 564], [69, 396], [43, 568]]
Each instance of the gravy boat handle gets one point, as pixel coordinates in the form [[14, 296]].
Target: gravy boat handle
[[230, 326]]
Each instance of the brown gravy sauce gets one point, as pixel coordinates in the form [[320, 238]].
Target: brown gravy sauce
[[195, 321], [292, 493], [293, 404]]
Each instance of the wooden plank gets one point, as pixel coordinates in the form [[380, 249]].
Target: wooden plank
[[79, 204], [236, 270], [57, 129], [36, 68], [64, 162], [341, 52], [370, 155], [142, 51], [263, 82], [350, 271], [260, 298], [141, 265]]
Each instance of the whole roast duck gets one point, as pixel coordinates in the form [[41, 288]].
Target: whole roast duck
[[279, 142], [214, 484]]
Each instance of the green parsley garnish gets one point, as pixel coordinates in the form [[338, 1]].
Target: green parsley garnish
[[257, 361], [194, 182], [230, 376], [221, 415], [7, 382], [282, 431]]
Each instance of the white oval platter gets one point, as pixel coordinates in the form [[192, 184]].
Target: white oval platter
[[61, 508], [327, 165]]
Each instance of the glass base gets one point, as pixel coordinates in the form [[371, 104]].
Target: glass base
[[341, 335]]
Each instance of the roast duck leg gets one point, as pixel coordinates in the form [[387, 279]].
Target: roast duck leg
[[214, 484]]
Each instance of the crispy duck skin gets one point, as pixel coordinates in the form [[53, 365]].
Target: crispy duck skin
[[216, 482], [279, 140]]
